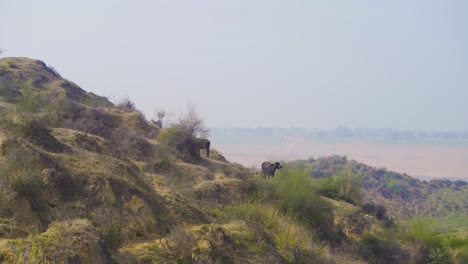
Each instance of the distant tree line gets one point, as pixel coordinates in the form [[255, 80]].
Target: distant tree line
[[340, 132]]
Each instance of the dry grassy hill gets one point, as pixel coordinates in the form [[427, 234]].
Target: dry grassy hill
[[94, 171], [85, 181]]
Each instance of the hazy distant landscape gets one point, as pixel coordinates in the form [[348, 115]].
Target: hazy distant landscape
[[234, 132], [425, 155]]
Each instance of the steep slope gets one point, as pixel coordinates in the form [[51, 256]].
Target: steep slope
[[96, 161]]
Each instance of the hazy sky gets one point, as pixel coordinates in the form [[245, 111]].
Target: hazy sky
[[320, 64]]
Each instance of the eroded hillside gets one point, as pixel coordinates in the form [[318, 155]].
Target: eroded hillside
[[85, 181], [96, 168]]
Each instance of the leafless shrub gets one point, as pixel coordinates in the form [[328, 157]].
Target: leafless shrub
[[161, 114], [192, 123], [126, 105]]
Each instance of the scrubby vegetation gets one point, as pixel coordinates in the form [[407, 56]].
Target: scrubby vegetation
[[86, 181], [180, 138], [343, 185]]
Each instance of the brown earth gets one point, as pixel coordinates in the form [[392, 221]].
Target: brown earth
[[428, 161]]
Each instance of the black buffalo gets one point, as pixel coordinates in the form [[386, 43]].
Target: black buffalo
[[270, 168], [203, 143]]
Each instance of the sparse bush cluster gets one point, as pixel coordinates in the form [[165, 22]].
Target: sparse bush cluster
[[133, 144], [31, 117], [289, 195], [343, 185], [328, 166], [90, 120]]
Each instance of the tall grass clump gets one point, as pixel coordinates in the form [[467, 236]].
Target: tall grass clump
[[30, 250], [430, 248], [268, 227], [69, 241], [20, 170], [293, 192]]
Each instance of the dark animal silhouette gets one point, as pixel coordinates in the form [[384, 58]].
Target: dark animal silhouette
[[269, 168], [203, 143]]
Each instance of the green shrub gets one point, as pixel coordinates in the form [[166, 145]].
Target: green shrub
[[291, 189], [180, 142], [343, 185], [328, 187], [269, 228], [257, 217], [438, 255], [419, 230], [293, 192], [456, 242]]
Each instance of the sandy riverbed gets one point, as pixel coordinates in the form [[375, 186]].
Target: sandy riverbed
[[429, 161]]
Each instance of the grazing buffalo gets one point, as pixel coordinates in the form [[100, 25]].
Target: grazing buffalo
[[270, 168], [203, 143]]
